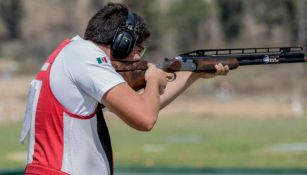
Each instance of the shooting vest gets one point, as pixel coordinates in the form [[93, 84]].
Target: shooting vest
[[45, 119]]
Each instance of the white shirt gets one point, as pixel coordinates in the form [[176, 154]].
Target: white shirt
[[81, 75]]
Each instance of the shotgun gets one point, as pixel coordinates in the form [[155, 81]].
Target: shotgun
[[205, 60]]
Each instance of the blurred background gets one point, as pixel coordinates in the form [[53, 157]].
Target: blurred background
[[254, 119]]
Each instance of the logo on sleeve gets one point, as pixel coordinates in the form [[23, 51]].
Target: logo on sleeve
[[101, 60]]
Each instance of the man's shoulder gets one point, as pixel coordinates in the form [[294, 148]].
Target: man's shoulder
[[80, 44], [82, 49]]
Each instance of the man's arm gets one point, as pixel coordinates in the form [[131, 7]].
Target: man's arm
[[184, 80], [139, 111], [175, 88]]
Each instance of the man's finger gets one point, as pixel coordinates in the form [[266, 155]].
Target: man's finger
[[170, 76]]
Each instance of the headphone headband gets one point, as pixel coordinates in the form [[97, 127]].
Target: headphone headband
[[130, 22]]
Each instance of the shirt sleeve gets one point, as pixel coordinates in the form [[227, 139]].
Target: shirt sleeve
[[92, 71]]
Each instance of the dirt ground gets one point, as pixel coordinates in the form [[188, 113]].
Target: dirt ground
[[239, 106], [14, 89]]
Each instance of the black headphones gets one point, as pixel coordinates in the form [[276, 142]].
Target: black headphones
[[124, 38]]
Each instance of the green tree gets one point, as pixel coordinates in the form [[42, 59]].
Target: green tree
[[186, 18], [150, 11], [11, 13], [276, 12], [230, 16]]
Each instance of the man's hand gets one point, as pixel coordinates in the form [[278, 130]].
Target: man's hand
[[220, 70], [155, 74]]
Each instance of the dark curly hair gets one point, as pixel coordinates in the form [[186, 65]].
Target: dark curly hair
[[103, 25]]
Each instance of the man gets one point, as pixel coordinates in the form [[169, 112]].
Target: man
[[67, 132]]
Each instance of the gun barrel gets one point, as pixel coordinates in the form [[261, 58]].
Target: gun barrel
[[271, 58], [251, 56]]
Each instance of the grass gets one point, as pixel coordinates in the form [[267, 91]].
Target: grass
[[211, 142], [194, 142], [12, 154]]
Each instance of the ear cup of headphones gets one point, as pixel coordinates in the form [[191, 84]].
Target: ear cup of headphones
[[123, 43], [124, 38]]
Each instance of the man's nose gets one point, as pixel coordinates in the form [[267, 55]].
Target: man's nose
[[137, 57]]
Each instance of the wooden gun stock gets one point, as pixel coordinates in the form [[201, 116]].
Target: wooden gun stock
[[208, 65], [132, 72]]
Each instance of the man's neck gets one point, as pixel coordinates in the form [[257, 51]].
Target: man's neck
[[105, 48]]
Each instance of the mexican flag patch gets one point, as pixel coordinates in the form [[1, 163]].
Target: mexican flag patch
[[101, 60]]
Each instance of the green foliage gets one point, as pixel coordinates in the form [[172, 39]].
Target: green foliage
[[176, 26], [11, 13], [276, 12], [151, 13], [231, 17], [270, 12], [186, 18]]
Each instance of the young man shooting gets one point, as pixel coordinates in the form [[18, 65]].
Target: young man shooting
[[67, 131]]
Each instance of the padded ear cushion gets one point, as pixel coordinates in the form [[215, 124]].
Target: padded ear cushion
[[123, 43], [124, 38]]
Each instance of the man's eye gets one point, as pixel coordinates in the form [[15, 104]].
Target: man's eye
[[141, 50]]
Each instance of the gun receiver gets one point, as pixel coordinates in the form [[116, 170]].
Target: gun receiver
[[205, 61]]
